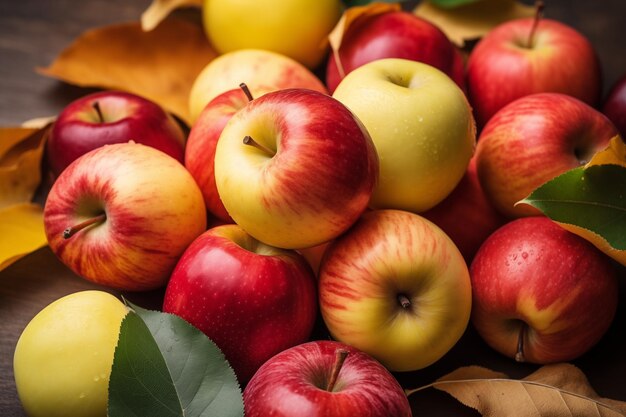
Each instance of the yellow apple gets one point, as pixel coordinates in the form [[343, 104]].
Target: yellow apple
[[422, 127], [296, 28], [63, 358], [262, 71]]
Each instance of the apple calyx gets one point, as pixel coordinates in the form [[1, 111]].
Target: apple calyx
[[247, 140], [519, 355], [340, 358], [538, 14], [246, 91], [72, 230], [404, 301], [96, 107]]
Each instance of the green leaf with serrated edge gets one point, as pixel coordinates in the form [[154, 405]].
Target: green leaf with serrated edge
[[448, 4], [592, 198], [163, 366], [352, 3]]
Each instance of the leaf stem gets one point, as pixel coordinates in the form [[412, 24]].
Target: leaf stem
[[519, 355], [538, 14], [72, 230], [340, 358], [246, 91]]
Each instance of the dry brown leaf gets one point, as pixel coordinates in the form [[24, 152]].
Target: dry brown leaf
[[21, 150], [472, 21], [160, 65], [349, 17], [552, 390], [38, 122], [21, 232], [614, 154], [160, 9]]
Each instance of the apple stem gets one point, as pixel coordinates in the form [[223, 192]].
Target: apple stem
[[96, 107], [246, 91], [249, 141], [404, 301], [519, 355], [72, 230], [538, 13], [340, 358]]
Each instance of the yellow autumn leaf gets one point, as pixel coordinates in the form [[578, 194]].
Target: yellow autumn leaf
[[21, 151], [349, 17], [160, 65], [160, 9], [552, 390], [614, 154], [21, 232], [473, 20]]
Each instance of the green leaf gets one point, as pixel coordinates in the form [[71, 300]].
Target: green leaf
[[449, 4], [592, 198], [352, 3], [163, 367]]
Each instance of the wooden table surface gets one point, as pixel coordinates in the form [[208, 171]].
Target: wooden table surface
[[33, 32]]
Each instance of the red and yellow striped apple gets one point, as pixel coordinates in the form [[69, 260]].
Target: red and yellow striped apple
[[261, 70], [540, 293], [295, 168], [531, 141], [324, 378], [421, 124], [251, 299], [121, 216], [396, 287]]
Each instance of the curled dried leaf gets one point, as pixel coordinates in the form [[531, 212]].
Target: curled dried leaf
[[21, 150], [472, 21], [614, 154], [160, 65], [160, 9], [552, 390], [21, 232]]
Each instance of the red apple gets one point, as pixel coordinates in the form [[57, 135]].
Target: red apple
[[295, 168], [395, 34], [615, 105], [324, 378], [121, 216], [251, 299], [540, 293], [516, 59], [466, 215], [111, 117], [531, 141], [202, 141]]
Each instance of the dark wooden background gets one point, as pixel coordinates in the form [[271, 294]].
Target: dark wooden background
[[33, 32]]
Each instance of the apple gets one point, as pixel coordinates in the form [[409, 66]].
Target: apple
[[121, 216], [527, 56], [295, 168], [466, 215], [111, 117], [295, 28], [532, 140], [394, 34], [251, 299], [202, 141], [421, 125], [324, 378], [262, 71], [540, 293], [63, 358], [396, 287], [615, 105]]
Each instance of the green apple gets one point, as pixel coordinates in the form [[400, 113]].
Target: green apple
[[261, 70], [422, 127], [296, 28], [63, 358], [396, 287]]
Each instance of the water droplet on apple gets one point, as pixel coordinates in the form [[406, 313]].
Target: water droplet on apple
[[82, 395]]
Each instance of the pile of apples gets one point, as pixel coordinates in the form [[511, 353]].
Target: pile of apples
[[387, 209]]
